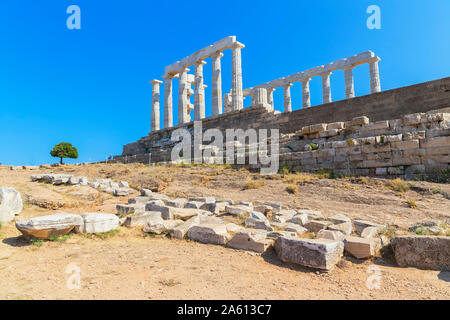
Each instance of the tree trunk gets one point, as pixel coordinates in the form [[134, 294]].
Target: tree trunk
[[61, 161]]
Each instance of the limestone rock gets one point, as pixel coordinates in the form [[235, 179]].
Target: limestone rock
[[176, 203], [141, 199], [45, 227], [94, 222], [314, 253], [232, 227], [258, 215], [203, 199], [250, 240], [339, 218], [258, 224], [370, 232], [180, 231], [345, 228], [159, 225], [209, 233], [125, 209], [330, 234], [362, 248], [238, 210], [300, 219], [312, 214], [10, 204], [294, 227], [141, 219], [425, 252], [276, 234], [316, 225], [360, 225]]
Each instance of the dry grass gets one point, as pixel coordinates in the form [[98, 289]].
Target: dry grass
[[399, 185], [412, 204], [254, 184], [292, 188]]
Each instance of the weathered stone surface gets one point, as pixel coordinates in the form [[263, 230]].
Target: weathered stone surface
[[186, 213], [250, 240], [159, 225], [360, 225], [294, 227], [300, 219], [339, 218], [94, 222], [213, 207], [142, 219], [312, 214], [209, 233], [203, 199], [258, 215], [314, 253], [232, 227], [316, 225], [146, 192], [166, 212], [180, 231], [370, 232], [425, 252], [157, 196], [362, 248], [330, 234], [140, 199], [345, 228], [193, 204], [45, 227], [281, 233], [176, 203], [10, 204], [258, 224], [125, 209], [238, 210]]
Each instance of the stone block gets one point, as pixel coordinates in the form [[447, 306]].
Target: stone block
[[94, 222], [360, 225], [345, 228], [10, 204], [316, 225], [209, 233], [330, 234], [313, 253], [250, 240], [425, 252], [362, 248], [44, 227]]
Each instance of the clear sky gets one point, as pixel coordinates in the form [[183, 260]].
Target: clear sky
[[90, 87]]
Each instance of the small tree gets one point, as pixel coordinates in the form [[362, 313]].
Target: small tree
[[64, 150]]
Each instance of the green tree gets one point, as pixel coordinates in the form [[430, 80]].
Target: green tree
[[64, 150]]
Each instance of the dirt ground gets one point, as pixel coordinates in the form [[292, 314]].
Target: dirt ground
[[133, 265]]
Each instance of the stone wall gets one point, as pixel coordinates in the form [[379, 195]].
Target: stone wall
[[345, 139]]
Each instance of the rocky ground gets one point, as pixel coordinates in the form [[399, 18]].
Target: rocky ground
[[133, 265]]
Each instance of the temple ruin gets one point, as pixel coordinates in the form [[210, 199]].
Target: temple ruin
[[390, 131]]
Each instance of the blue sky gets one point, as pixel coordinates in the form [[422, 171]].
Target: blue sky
[[90, 86]]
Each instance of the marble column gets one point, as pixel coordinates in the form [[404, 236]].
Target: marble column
[[183, 97], [374, 76], [168, 101], [236, 81], [287, 97], [260, 97], [216, 105], [155, 105], [199, 97], [270, 97], [349, 89], [305, 93], [326, 89]]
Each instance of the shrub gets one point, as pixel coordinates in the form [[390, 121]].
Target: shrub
[[314, 146], [292, 188], [254, 184], [399, 185]]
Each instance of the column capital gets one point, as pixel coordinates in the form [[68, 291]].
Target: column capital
[[287, 85], [156, 81], [218, 54], [238, 45], [348, 68], [306, 80], [200, 62], [168, 76], [326, 74]]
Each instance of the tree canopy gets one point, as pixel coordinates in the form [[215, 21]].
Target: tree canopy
[[64, 150]]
